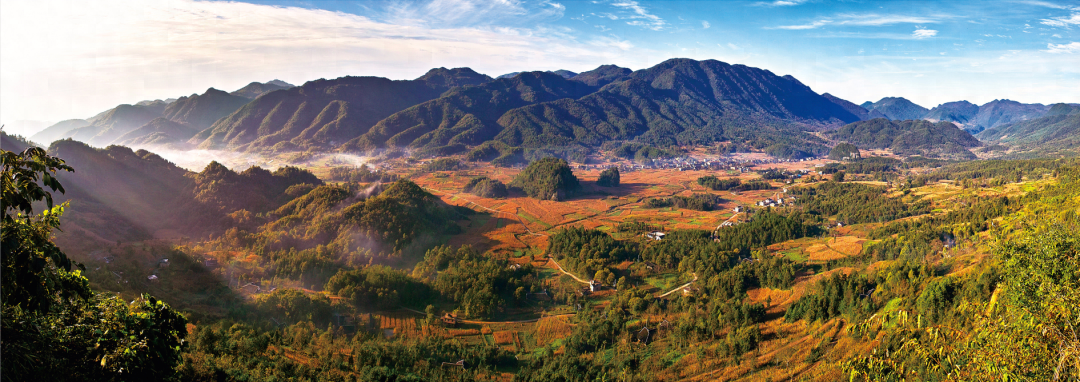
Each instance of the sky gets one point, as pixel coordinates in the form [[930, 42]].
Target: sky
[[68, 59]]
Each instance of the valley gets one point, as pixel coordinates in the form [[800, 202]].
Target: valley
[[691, 221]]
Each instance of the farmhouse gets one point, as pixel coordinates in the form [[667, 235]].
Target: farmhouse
[[655, 235]]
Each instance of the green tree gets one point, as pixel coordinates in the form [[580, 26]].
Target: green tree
[[547, 178], [53, 324], [838, 176], [609, 178]]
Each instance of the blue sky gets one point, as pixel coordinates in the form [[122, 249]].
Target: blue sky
[[70, 59]]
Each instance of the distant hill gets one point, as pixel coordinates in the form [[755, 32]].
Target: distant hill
[[13, 143], [910, 137], [196, 112], [160, 131], [256, 89], [326, 113], [199, 111], [896, 108], [560, 72], [58, 130], [105, 127], [603, 75], [1058, 129], [851, 107], [958, 112], [1000, 112]]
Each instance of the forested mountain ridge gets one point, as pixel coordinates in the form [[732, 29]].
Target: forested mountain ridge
[[466, 115], [326, 113], [911, 137], [680, 101]]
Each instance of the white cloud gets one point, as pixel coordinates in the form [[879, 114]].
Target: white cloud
[[75, 59], [733, 46], [1072, 47], [639, 16], [459, 13], [1048, 4], [920, 34], [778, 3], [604, 41], [1062, 22], [812, 25], [863, 20], [705, 24]]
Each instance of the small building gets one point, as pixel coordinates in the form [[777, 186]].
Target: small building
[[210, 262], [737, 209], [152, 278], [164, 263], [459, 364], [594, 286], [450, 320], [655, 235], [689, 291]]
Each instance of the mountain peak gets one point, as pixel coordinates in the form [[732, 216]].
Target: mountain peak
[[897, 108], [602, 75], [453, 77]]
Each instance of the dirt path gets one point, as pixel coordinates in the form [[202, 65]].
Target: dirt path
[[678, 288], [728, 219], [565, 272]]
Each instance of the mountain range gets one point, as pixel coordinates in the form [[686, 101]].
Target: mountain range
[[450, 111], [679, 101]]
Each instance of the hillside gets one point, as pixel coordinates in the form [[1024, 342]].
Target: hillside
[[326, 113], [1058, 129], [256, 89], [851, 107], [896, 108], [911, 137]]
